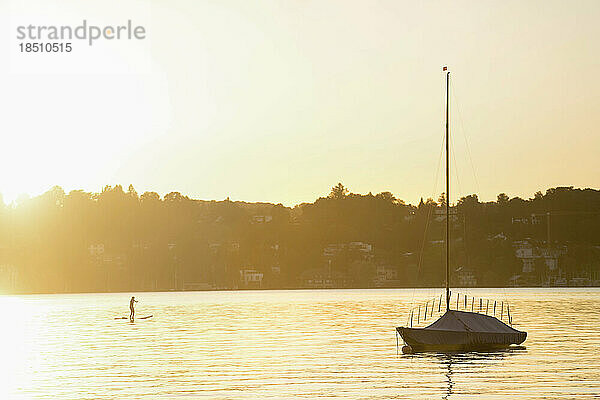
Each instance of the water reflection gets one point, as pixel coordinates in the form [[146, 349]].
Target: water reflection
[[337, 344], [449, 378], [455, 364]]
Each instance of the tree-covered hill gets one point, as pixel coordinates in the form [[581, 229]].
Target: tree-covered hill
[[119, 240]]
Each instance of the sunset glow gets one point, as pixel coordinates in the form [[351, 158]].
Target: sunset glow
[[340, 91]]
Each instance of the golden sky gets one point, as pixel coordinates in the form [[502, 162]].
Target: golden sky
[[279, 100]]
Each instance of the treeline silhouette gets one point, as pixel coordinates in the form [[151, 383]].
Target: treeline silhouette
[[118, 240]]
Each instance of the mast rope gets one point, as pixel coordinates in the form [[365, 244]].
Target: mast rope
[[465, 137], [427, 223]]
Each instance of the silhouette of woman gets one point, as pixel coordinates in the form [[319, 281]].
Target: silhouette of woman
[[131, 308]]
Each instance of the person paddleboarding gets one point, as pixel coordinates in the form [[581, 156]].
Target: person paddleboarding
[[132, 308]]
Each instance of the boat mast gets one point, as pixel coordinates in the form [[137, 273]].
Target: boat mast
[[447, 190]]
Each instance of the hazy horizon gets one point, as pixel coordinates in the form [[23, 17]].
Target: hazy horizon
[[277, 102], [326, 193]]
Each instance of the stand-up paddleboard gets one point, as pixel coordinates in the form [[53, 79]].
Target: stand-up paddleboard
[[146, 317]]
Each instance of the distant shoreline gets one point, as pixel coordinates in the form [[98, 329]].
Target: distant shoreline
[[300, 288]]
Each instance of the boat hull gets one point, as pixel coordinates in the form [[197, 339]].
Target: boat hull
[[419, 340]]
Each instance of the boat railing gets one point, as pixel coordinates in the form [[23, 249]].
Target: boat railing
[[424, 312]]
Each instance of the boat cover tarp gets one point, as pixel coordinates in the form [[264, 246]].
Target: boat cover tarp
[[462, 330], [469, 322]]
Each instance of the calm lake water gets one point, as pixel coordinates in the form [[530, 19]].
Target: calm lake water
[[337, 344]]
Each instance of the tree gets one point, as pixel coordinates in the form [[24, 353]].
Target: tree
[[175, 197], [442, 200], [468, 201], [338, 192], [388, 197], [132, 193], [430, 202], [502, 199], [150, 196]]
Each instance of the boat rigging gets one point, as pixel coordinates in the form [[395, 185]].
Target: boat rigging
[[459, 330]]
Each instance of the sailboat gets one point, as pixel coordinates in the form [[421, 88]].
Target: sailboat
[[458, 330]]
